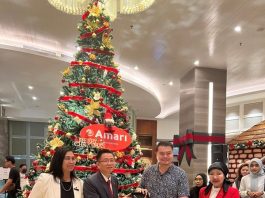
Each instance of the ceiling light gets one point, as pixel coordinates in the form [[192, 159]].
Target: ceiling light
[[111, 8], [136, 67], [30, 87], [170, 83], [34, 98], [237, 29], [197, 62]]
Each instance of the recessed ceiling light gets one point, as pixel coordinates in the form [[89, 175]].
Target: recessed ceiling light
[[197, 62], [30, 87], [170, 83], [237, 29], [136, 67], [34, 98]]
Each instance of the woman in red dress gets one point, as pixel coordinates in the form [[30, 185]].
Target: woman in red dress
[[219, 185]]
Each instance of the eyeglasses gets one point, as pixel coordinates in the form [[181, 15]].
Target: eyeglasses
[[68, 158], [107, 161], [198, 179]]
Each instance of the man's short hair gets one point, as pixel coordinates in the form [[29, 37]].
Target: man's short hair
[[101, 152], [164, 143], [10, 159]]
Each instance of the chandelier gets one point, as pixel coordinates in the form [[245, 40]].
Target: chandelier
[[111, 7]]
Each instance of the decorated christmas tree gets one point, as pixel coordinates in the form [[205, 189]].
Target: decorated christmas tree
[[91, 112]]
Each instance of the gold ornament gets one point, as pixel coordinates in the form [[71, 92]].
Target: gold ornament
[[95, 11], [83, 79], [119, 154], [124, 109], [80, 62], [50, 128], [92, 56], [56, 142], [106, 40], [48, 153], [94, 35], [96, 96], [68, 134], [106, 24], [61, 107], [77, 120], [90, 155], [78, 158], [101, 48], [132, 152], [66, 72]]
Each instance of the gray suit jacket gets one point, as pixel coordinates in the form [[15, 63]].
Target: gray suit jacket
[[96, 187]]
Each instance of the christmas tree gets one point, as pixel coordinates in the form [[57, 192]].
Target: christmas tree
[[91, 112]]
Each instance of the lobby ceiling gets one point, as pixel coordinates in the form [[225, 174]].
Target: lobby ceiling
[[37, 41]]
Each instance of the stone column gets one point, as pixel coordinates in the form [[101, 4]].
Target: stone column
[[4, 143], [194, 94]]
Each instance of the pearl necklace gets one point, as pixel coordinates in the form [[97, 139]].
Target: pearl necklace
[[67, 190]]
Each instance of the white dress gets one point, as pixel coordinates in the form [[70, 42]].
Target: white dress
[[245, 185]]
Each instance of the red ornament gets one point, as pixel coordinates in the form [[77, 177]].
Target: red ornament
[[108, 118], [231, 146], [85, 15], [249, 143], [35, 162], [82, 91]]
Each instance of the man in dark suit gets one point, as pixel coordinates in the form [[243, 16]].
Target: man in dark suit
[[102, 184]]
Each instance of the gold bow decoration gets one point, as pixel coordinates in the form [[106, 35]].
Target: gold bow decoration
[[56, 142], [92, 109]]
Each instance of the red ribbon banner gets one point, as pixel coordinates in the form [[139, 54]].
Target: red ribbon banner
[[97, 51], [89, 34], [91, 64], [80, 98], [110, 89], [185, 143]]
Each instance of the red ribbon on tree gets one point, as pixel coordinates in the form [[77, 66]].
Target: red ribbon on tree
[[91, 64], [80, 98], [97, 51], [185, 143], [81, 117], [110, 89], [99, 30]]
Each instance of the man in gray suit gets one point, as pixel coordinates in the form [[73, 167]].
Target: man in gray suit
[[102, 184]]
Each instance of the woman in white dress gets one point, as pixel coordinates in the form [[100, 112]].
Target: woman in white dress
[[252, 185]]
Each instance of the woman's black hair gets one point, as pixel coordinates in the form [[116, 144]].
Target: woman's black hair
[[222, 167], [57, 163], [204, 178]]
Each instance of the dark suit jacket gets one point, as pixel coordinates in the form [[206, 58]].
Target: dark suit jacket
[[96, 187]]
